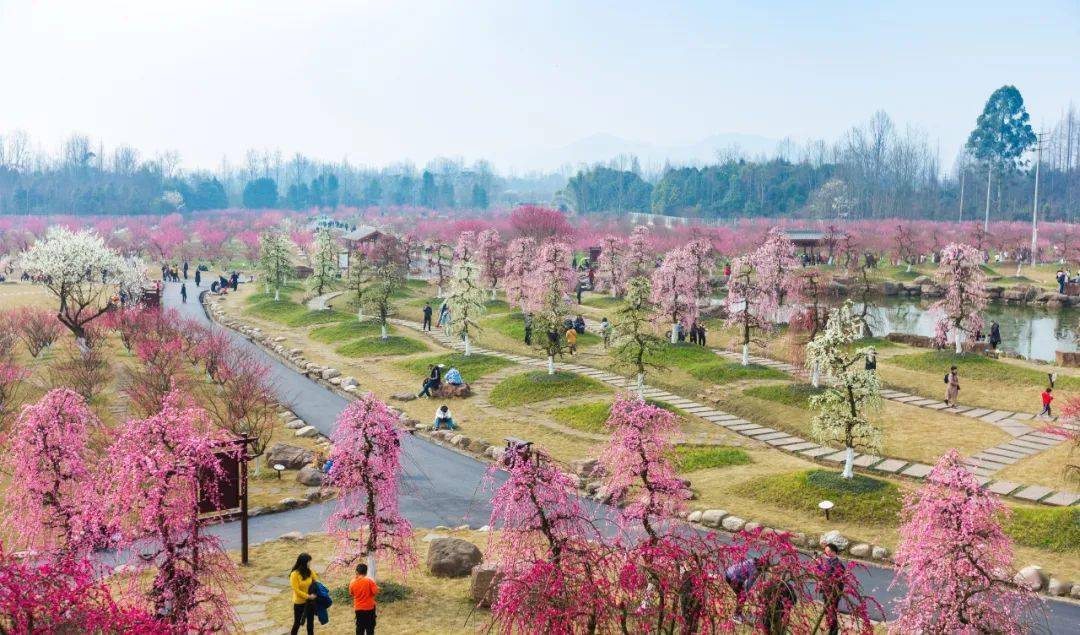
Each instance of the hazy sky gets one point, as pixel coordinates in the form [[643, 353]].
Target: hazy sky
[[383, 81]]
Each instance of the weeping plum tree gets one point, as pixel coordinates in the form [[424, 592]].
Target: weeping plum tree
[[635, 341], [673, 291], [492, 258], [440, 261], [520, 255], [749, 302], [639, 257], [367, 464], [612, 270], [956, 560], [700, 253], [466, 302], [962, 277], [850, 389], [547, 289]]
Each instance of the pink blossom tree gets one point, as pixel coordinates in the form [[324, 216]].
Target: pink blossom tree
[[750, 303], [12, 377], [961, 275], [639, 256], [465, 248], [548, 285], [366, 467], [701, 254], [539, 223], [611, 266], [492, 258], [673, 291], [519, 260], [956, 560], [52, 502], [159, 470], [777, 266]]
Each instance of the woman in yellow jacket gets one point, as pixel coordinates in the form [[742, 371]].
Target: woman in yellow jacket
[[303, 600]]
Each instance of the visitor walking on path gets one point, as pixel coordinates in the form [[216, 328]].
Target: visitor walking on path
[[1047, 399], [528, 329], [434, 379], [741, 577], [701, 334], [443, 419], [427, 316], [363, 590], [995, 335], [952, 387], [183, 292], [198, 277], [605, 331], [830, 569], [185, 269], [571, 340], [301, 579]]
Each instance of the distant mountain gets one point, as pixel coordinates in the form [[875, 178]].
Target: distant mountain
[[603, 147]]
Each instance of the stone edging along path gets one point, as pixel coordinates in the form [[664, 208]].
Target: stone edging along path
[[782, 440]]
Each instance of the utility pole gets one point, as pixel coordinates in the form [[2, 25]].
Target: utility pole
[[1035, 206]]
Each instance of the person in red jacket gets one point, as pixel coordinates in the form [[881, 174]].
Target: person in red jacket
[[363, 590], [1047, 397]]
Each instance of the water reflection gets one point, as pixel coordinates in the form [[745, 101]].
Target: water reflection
[[1034, 333]]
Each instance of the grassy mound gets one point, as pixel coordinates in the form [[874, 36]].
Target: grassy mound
[[976, 367], [592, 417], [512, 325], [794, 395], [377, 346], [347, 331], [602, 301], [861, 499], [540, 386], [1056, 530], [496, 306], [707, 366], [472, 367], [689, 458], [290, 313], [389, 592]]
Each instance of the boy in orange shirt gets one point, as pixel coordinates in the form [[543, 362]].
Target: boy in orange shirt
[[363, 589]]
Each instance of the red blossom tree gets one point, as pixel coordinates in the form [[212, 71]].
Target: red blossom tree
[[539, 223], [520, 255], [366, 466], [37, 327], [956, 560]]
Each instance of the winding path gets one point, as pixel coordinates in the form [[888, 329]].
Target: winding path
[[442, 487]]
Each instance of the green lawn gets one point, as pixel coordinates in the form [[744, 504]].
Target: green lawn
[[980, 368], [539, 386], [707, 366], [293, 314], [602, 301], [794, 395], [861, 500], [347, 331], [472, 367], [592, 417], [689, 458], [376, 346], [1056, 530], [512, 325]]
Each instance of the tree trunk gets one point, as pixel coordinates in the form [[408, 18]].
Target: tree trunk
[[360, 314], [551, 364], [745, 354], [849, 462], [815, 376], [371, 567], [468, 347], [674, 328], [384, 330], [277, 294], [989, 175], [439, 293], [641, 385], [959, 341]]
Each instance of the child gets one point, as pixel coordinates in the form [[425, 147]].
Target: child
[[571, 340], [1047, 397], [363, 589], [605, 331]]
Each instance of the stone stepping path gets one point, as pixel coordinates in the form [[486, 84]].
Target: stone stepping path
[[983, 467], [250, 607]]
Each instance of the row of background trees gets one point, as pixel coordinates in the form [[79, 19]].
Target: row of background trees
[[875, 170]]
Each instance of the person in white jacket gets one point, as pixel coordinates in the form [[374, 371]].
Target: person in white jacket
[[443, 419]]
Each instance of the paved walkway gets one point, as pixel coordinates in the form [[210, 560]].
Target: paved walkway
[[318, 303], [782, 440]]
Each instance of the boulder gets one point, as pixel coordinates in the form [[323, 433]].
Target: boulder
[[295, 424], [732, 523], [403, 396], [1059, 588], [879, 553], [713, 517], [889, 288], [484, 584], [291, 456], [290, 502], [335, 381], [1075, 593], [478, 446], [307, 432], [451, 391], [459, 440], [291, 536], [834, 538], [751, 526], [923, 281], [309, 476], [452, 557], [1031, 577], [330, 373], [349, 381], [495, 452], [860, 550], [584, 467], [694, 516]]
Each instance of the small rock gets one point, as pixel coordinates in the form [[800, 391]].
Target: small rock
[[289, 502], [459, 439], [433, 536], [860, 550], [484, 584], [349, 381], [1075, 593], [296, 351], [351, 388], [291, 456], [452, 557], [836, 539], [331, 373], [335, 381], [1059, 588], [291, 536], [879, 553], [403, 396], [797, 538], [694, 516], [307, 432], [279, 338], [751, 526], [713, 517], [309, 476], [295, 424], [485, 528], [462, 528], [733, 523], [1031, 577]]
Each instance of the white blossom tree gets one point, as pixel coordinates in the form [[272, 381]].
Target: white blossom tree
[[80, 270], [386, 280], [324, 261], [851, 391], [358, 279], [466, 302], [275, 260]]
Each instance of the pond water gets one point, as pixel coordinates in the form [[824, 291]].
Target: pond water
[[1031, 332]]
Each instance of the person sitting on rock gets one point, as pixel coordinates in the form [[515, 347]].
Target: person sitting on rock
[[453, 377], [433, 381], [443, 419]]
